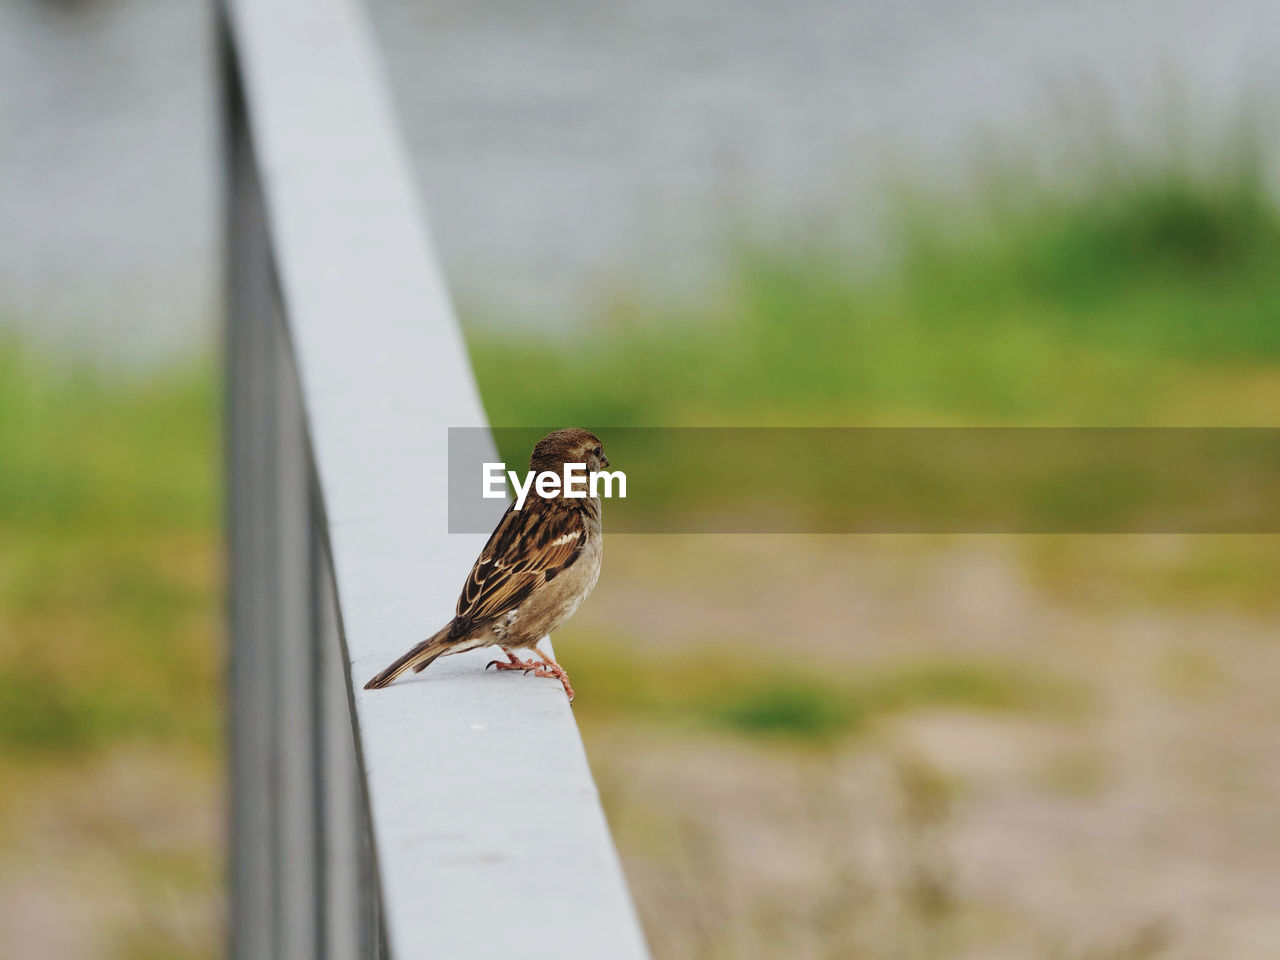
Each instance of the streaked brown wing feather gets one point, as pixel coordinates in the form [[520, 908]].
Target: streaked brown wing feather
[[527, 548]]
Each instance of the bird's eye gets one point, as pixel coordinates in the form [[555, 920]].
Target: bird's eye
[[598, 450]]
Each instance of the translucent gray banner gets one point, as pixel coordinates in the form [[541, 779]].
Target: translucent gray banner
[[907, 480]]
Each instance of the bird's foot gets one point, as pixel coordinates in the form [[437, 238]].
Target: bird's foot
[[553, 669], [547, 668], [514, 663]]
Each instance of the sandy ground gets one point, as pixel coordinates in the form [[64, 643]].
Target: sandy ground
[[115, 857], [1142, 825]]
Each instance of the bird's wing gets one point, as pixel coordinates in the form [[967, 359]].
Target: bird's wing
[[529, 547]]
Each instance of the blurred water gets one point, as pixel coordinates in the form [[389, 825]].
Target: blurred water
[[566, 148], [106, 173]]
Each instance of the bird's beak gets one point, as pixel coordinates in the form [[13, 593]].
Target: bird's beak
[[604, 461]]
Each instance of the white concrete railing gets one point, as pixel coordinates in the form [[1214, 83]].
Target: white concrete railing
[[450, 816]]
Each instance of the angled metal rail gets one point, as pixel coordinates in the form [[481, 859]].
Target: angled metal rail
[[452, 815]]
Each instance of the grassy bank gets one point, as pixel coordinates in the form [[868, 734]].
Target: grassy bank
[[109, 577], [1146, 294], [110, 661]]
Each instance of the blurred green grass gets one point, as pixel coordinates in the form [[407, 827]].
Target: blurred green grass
[[109, 568], [716, 687], [1147, 292], [110, 652]]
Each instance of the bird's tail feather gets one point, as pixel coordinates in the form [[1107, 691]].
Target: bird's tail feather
[[418, 657]]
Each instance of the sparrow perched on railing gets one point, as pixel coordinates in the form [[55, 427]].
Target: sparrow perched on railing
[[537, 568]]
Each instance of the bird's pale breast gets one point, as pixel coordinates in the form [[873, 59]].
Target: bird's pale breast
[[557, 600]]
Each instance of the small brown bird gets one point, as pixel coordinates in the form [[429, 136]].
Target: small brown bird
[[540, 563]]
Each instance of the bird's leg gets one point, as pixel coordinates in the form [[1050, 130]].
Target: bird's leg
[[515, 664], [549, 668]]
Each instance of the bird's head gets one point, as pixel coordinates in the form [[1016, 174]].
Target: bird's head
[[570, 445]]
